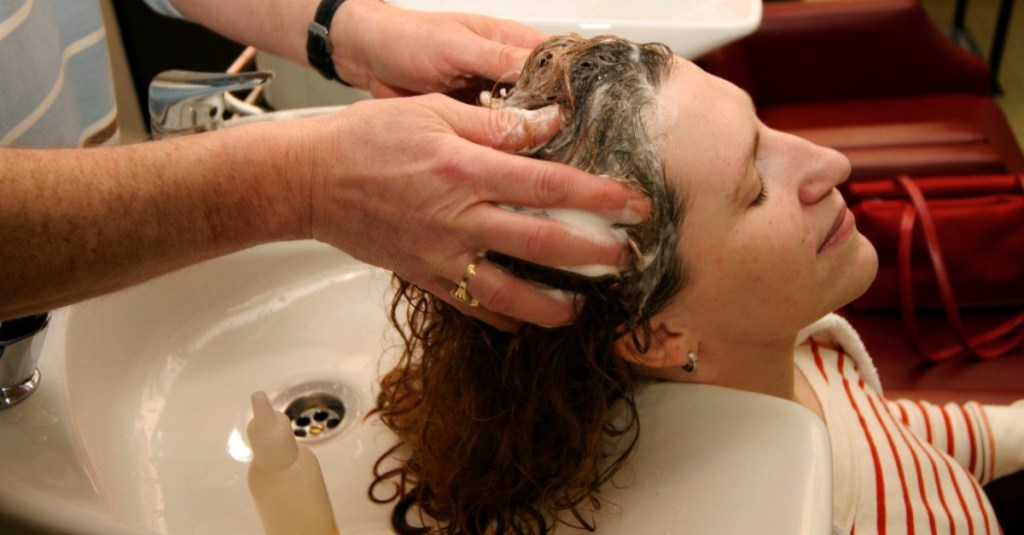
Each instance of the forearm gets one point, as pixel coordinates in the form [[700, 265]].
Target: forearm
[[271, 25], [78, 223], [399, 183]]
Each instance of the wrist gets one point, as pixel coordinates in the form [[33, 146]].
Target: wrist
[[286, 178], [338, 179], [350, 35]]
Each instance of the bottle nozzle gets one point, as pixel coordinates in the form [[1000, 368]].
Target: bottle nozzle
[[270, 435], [261, 408]]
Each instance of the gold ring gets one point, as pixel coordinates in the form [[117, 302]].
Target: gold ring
[[461, 292]]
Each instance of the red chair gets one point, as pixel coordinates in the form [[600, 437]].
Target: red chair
[[877, 80]]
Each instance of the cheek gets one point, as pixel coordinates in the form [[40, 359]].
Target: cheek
[[773, 264], [758, 277], [765, 260]]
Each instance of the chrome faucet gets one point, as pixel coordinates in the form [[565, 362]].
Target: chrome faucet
[[21, 342], [185, 102]]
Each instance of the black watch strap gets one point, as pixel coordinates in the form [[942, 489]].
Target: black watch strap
[[318, 41]]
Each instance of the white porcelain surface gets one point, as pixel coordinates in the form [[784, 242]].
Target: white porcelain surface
[[140, 425], [717, 461], [178, 358], [689, 27]]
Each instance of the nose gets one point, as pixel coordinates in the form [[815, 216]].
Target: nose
[[823, 169]]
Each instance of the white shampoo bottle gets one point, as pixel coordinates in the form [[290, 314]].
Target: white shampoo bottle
[[284, 477]]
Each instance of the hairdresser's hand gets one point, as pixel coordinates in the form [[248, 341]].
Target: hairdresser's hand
[[391, 51], [412, 183]]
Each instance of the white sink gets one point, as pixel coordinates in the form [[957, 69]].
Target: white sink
[[690, 27], [156, 381], [178, 359], [139, 424]]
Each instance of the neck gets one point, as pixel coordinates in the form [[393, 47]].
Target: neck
[[764, 368]]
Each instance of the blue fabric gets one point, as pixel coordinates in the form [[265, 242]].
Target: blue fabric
[[56, 88], [55, 74]]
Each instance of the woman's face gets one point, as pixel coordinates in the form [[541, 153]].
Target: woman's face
[[767, 238]]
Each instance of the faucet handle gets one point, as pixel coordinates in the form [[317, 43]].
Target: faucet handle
[[183, 102]]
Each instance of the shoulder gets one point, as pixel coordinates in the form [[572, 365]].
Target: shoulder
[[835, 333]]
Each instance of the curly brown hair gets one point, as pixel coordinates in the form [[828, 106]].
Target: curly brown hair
[[511, 432]]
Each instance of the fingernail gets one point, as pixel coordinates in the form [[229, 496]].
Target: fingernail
[[513, 75], [578, 301], [637, 210], [592, 271], [638, 206], [561, 296], [535, 126], [542, 117], [485, 99], [626, 256], [581, 301]]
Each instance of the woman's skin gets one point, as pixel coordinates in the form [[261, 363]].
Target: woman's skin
[[767, 236]]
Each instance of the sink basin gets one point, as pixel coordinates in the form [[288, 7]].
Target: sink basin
[[156, 380], [177, 360], [139, 423], [689, 27]]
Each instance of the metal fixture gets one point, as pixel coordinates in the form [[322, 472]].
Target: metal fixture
[[319, 410], [21, 343], [186, 102], [315, 415]]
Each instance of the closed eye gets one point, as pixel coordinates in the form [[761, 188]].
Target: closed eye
[[755, 154], [762, 195]]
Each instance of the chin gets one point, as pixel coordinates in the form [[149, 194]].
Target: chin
[[861, 270]]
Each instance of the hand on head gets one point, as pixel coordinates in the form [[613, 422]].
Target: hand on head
[[433, 171], [428, 175], [391, 51]]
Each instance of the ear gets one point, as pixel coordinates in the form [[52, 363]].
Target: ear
[[670, 344]]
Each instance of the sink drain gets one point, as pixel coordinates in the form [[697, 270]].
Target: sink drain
[[315, 415], [318, 410]]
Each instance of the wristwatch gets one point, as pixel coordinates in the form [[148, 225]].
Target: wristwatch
[[318, 40]]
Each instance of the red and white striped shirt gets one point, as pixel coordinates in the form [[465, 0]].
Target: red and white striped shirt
[[905, 467]]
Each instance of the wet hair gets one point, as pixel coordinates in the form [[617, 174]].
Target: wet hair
[[511, 432]]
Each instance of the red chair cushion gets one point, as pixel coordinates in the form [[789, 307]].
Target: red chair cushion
[[918, 136]]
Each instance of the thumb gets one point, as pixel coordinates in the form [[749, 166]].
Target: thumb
[[497, 49], [509, 130], [497, 61]]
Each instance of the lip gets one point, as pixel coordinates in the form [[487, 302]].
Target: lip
[[841, 227]]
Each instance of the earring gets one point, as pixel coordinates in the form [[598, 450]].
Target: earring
[[692, 366]]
